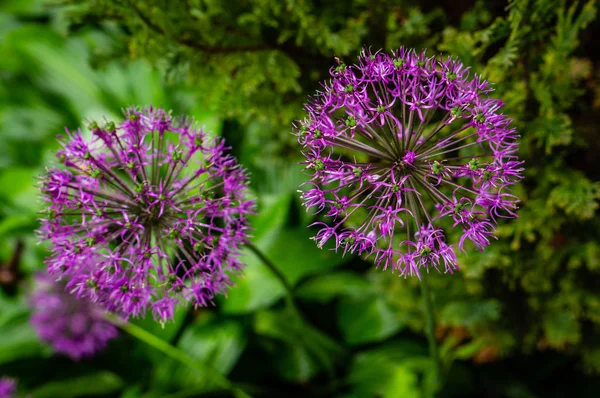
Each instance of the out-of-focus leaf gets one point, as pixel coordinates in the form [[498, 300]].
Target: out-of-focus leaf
[[393, 370], [561, 328], [462, 313], [256, 288], [169, 329], [297, 256], [18, 184], [326, 287], [17, 338], [30, 124], [467, 351], [272, 214], [366, 319], [216, 342], [134, 391], [403, 384], [288, 248], [100, 383], [17, 225], [22, 7], [301, 350]]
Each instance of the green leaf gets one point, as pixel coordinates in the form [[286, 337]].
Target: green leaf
[[18, 339], [15, 225], [366, 319], [296, 255], [468, 350], [463, 313], [301, 350], [403, 383], [169, 329], [256, 288], [393, 370], [295, 363], [18, 185], [100, 383], [272, 214], [561, 328], [216, 342], [288, 248], [326, 287]]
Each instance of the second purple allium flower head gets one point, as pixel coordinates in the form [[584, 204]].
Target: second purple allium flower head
[[407, 143], [73, 327], [7, 387], [145, 214]]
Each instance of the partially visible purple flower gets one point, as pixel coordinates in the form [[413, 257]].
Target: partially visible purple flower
[[406, 141], [7, 387], [73, 327], [147, 214]]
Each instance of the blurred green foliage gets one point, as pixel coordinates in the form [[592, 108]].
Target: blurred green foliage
[[525, 311]]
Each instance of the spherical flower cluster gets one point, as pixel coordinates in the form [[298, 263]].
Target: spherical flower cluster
[[147, 214], [7, 387], [413, 143], [73, 327]]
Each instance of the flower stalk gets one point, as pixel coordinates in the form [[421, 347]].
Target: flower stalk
[[177, 354], [430, 331]]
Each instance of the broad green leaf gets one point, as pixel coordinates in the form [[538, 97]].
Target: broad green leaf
[[294, 255], [462, 313], [326, 287], [256, 288], [17, 338], [272, 214], [100, 383], [392, 370], [22, 7], [289, 249], [295, 363], [169, 329], [403, 384], [18, 184], [366, 319], [16, 225], [30, 124], [297, 256], [300, 350], [215, 342]]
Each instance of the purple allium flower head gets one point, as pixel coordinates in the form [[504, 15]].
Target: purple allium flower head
[[73, 326], [7, 387], [145, 215], [406, 142]]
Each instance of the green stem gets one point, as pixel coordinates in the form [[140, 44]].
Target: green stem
[[289, 292], [177, 354], [433, 349], [310, 333]]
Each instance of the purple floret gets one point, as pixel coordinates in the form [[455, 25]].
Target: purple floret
[[7, 387], [145, 215], [73, 327], [406, 142]]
